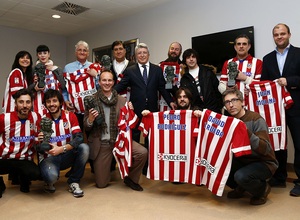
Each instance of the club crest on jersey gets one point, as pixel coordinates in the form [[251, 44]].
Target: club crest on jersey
[[31, 126], [17, 81], [66, 125], [249, 65]]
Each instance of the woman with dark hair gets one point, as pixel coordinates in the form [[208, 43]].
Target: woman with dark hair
[[20, 77]]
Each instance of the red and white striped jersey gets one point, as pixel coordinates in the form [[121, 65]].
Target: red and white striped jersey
[[18, 137], [14, 83], [218, 138], [250, 66], [270, 100], [123, 146], [51, 82], [63, 128], [171, 144], [79, 84], [163, 105]]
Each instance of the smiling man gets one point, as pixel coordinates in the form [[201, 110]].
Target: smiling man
[[17, 137], [250, 172], [249, 67], [67, 147], [102, 137]]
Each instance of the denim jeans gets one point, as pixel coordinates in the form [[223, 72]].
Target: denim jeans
[[251, 177], [75, 158]]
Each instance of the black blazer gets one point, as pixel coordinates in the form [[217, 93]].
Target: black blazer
[[291, 71], [144, 96]]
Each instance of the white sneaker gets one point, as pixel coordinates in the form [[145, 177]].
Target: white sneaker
[[75, 189], [49, 188]]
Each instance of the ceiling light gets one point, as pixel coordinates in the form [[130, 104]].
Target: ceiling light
[[55, 16]]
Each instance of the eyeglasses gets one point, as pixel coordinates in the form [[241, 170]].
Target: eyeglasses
[[232, 101]]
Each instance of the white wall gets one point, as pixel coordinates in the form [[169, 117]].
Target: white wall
[[14, 40], [180, 20]]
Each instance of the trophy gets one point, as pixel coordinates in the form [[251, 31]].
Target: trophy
[[105, 62], [46, 128], [232, 73], [39, 71], [89, 102], [169, 76]]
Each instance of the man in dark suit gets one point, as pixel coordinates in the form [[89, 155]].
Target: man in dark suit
[[284, 64], [144, 91], [146, 81]]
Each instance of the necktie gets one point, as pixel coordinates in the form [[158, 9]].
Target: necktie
[[145, 73]]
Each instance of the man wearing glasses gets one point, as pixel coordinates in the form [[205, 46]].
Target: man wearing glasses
[[250, 172]]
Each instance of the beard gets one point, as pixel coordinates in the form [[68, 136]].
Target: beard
[[173, 57], [183, 106]]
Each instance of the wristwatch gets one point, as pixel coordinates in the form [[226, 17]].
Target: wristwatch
[[64, 149]]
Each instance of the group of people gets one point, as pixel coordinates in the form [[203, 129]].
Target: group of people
[[61, 98]]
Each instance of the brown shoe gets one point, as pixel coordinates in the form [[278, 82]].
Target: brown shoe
[[237, 193], [263, 199], [135, 186]]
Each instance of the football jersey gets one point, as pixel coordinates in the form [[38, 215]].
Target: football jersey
[[79, 84], [14, 83], [17, 137], [51, 82], [171, 144], [270, 100], [250, 66], [123, 146], [63, 128], [218, 138]]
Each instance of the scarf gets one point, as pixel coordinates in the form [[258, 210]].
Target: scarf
[[102, 99]]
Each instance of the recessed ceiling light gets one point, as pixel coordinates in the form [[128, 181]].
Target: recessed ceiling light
[[55, 16]]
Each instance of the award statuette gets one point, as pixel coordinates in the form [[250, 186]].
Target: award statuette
[[232, 73], [89, 102], [39, 71], [105, 62], [169, 76], [46, 128]]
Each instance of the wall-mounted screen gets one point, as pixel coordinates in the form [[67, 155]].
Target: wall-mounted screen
[[216, 48]]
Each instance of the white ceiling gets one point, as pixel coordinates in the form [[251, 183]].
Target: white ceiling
[[35, 15]]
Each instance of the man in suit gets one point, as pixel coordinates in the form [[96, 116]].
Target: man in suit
[[119, 64], [283, 64], [144, 91]]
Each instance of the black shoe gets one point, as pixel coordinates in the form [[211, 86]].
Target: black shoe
[[296, 190], [263, 199], [24, 186], [135, 186], [2, 186], [276, 183], [237, 193]]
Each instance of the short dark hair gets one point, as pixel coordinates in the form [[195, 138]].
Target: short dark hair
[[242, 36], [23, 92], [117, 42], [186, 91], [189, 52], [51, 93], [235, 91], [42, 48], [285, 25]]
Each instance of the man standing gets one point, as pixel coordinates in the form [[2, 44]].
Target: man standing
[[249, 67], [250, 172], [102, 137], [145, 80], [174, 53], [17, 138], [119, 63], [284, 64], [66, 146], [202, 82]]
